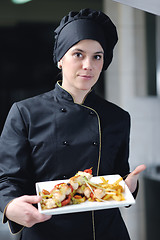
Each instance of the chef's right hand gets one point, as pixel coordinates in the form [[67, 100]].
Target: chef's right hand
[[22, 211]]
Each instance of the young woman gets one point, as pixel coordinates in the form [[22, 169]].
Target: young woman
[[56, 134]]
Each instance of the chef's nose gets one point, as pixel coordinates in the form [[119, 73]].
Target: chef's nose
[[87, 64]]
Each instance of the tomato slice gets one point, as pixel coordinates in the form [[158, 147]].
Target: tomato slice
[[88, 171], [66, 200], [92, 196], [45, 192]]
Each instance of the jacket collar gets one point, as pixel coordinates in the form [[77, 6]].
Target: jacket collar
[[60, 92]]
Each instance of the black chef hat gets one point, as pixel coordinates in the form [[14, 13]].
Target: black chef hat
[[86, 24]]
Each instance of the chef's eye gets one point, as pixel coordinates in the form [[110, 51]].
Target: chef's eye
[[97, 57], [78, 54]]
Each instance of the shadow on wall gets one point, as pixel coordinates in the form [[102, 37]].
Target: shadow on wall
[[26, 63]]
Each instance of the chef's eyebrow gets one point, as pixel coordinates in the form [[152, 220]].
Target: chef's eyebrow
[[80, 50]]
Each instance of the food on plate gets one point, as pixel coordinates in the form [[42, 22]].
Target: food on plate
[[59, 196], [79, 189]]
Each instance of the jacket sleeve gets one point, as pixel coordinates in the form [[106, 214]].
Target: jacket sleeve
[[15, 167]]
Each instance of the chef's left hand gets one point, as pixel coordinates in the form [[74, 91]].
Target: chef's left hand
[[132, 178]]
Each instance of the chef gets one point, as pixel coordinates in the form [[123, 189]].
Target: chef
[[70, 128]]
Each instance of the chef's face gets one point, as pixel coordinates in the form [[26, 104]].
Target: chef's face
[[81, 66]]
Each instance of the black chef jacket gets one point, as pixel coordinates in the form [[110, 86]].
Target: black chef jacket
[[50, 137]]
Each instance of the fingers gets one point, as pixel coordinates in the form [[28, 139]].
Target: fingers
[[139, 169], [132, 178], [22, 211], [36, 217], [32, 199], [41, 217]]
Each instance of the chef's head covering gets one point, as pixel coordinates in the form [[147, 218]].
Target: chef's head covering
[[85, 24]]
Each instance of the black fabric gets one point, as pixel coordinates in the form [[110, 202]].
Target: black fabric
[[86, 24], [79, 226], [33, 149]]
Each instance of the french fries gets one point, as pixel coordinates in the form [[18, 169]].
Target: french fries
[[113, 191]]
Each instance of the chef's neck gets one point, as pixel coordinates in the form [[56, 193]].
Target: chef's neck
[[78, 95]]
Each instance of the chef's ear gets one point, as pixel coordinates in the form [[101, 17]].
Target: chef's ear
[[59, 65], [60, 62]]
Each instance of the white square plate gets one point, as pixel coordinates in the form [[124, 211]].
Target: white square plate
[[88, 205]]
